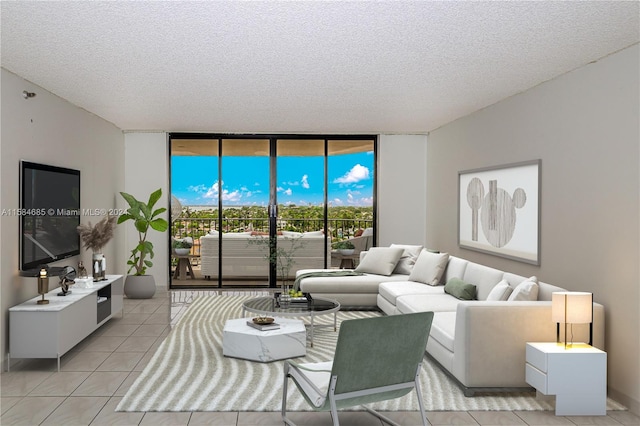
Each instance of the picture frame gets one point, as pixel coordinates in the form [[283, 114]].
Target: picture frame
[[499, 210]]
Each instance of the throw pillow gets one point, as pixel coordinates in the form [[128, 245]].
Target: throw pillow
[[527, 290], [408, 258], [358, 232], [500, 292], [429, 267], [380, 260], [460, 290]]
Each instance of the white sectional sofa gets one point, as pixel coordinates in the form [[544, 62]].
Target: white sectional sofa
[[480, 343], [241, 259]]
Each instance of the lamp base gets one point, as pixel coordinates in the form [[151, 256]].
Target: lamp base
[[42, 302]]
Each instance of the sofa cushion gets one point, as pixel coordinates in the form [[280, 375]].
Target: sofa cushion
[[380, 260], [500, 292], [460, 290], [443, 329], [483, 277], [455, 268], [426, 302], [408, 258], [525, 291], [392, 290], [429, 267]]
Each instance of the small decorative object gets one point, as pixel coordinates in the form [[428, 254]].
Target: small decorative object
[[86, 282], [67, 279], [82, 271], [97, 266], [94, 238], [345, 247], [43, 286], [263, 320]]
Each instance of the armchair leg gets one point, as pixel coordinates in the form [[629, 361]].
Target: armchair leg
[[385, 419], [419, 395], [285, 419]]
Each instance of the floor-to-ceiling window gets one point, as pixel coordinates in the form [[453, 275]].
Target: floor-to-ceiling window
[[240, 197]]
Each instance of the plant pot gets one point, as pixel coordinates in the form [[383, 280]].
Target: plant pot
[[139, 286], [182, 251], [346, 252]]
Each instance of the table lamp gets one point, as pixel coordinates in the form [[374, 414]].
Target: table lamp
[[572, 307], [43, 286]]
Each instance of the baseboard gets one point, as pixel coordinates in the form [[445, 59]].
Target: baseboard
[[632, 404]]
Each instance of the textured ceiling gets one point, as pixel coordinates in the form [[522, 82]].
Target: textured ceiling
[[302, 67]]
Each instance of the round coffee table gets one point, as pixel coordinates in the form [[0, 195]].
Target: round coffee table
[[317, 306]]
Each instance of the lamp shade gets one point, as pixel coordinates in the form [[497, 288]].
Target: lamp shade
[[572, 307]]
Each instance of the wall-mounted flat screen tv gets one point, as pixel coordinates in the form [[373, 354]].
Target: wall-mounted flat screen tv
[[49, 214]]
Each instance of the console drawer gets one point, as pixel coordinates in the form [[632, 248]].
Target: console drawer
[[536, 378]]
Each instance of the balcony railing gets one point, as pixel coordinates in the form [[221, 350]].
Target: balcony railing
[[339, 229]]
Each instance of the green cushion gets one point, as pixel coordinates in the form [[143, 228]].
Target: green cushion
[[460, 290]]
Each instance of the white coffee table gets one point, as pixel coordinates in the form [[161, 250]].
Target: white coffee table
[[242, 341]]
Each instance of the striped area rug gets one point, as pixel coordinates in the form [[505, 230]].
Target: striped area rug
[[189, 373]]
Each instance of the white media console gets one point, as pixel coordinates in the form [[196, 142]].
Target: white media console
[[51, 330]]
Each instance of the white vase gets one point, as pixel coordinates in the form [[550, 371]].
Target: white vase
[[96, 266]]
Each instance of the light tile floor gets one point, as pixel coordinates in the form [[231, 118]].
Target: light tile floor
[[96, 374]]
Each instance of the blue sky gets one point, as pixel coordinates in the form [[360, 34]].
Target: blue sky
[[300, 180]]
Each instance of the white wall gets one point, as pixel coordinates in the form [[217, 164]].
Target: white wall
[[585, 127], [402, 178], [47, 129], [147, 169]]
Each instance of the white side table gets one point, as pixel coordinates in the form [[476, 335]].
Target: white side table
[[577, 376], [242, 341]]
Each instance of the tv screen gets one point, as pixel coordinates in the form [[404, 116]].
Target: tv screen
[[49, 214]]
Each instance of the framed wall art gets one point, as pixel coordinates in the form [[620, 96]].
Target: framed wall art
[[499, 210]]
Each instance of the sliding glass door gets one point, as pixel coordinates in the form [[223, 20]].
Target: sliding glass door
[[259, 208]]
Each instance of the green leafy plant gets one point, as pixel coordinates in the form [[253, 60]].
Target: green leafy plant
[[144, 217], [343, 245], [181, 244], [281, 256]]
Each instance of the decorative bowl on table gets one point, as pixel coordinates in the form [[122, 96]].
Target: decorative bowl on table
[[262, 320]]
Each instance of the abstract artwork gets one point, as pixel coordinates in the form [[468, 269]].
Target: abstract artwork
[[499, 210]]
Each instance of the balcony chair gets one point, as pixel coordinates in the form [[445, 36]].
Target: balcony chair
[[376, 359]]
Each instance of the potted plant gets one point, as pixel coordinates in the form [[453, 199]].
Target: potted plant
[[182, 247], [345, 247], [95, 238], [282, 255], [139, 285]]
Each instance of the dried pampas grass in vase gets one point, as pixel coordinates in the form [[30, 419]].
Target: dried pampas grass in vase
[[96, 237]]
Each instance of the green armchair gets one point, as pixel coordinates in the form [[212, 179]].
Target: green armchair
[[376, 359]]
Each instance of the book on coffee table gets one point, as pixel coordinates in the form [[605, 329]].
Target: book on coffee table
[[264, 327]]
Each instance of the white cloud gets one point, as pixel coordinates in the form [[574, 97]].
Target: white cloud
[[287, 191], [305, 181], [197, 188], [213, 193], [356, 174]]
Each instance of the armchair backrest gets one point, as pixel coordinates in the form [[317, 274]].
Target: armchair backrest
[[376, 352]]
